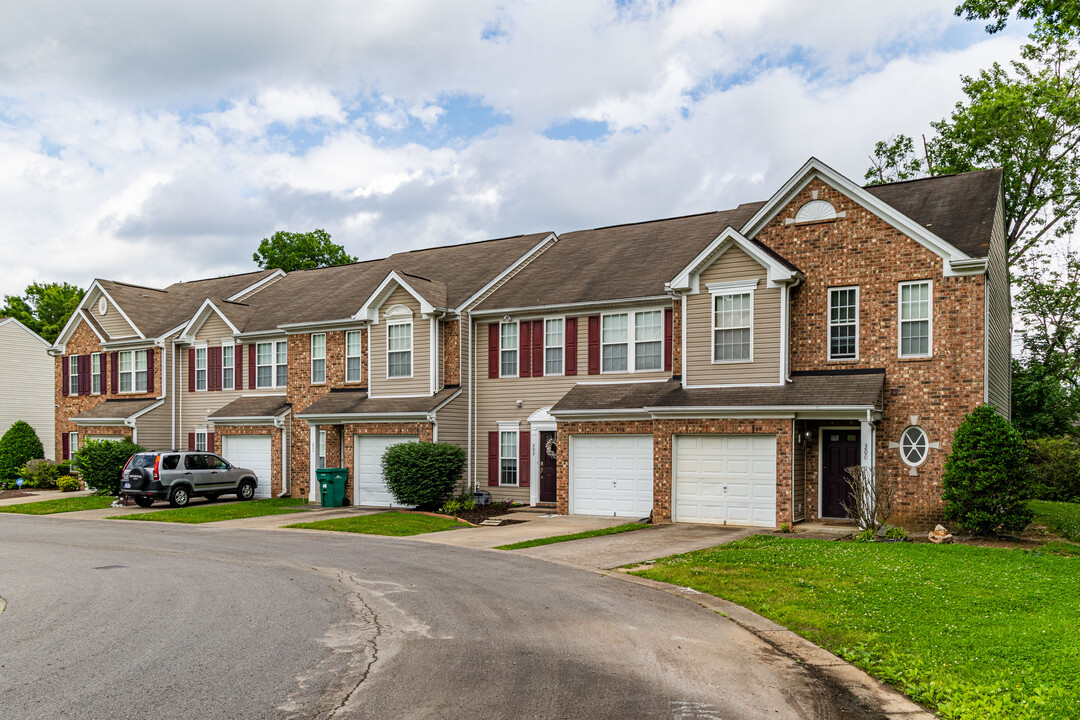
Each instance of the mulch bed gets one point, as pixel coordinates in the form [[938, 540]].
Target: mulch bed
[[483, 512], [5, 494]]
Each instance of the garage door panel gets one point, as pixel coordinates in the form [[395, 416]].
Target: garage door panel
[[369, 486], [611, 475], [252, 452], [729, 479]]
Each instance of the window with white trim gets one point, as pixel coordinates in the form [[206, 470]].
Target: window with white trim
[[733, 327], [553, 346], [399, 349], [648, 340], [643, 331], [281, 363], [916, 325], [614, 343], [508, 349], [132, 373], [271, 369], [318, 358], [73, 375], [320, 458], [95, 373], [353, 349], [914, 446], [73, 444], [200, 368], [200, 440], [844, 323], [228, 366], [508, 457]]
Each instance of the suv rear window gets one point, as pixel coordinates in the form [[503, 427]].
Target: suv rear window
[[169, 462], [142, 461]]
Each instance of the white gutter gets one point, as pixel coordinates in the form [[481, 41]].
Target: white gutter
[[546, 309]]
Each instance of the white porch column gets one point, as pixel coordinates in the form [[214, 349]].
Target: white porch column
[[867, 451], [313, 486]]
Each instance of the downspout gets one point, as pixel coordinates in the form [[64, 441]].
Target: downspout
[[134, 430], [172, 412]]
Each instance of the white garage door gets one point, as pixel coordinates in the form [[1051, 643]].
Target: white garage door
[[725, 479], [251, 452], [370, 488], [611, 475]]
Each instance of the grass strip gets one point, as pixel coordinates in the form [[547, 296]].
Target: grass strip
[[1060, 517], [60, 505], [394, 524], [573, 536], [216, 513]]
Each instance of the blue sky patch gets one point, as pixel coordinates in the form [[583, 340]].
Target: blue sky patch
[[578, 129]]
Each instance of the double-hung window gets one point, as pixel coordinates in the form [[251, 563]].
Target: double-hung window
[[733, 327], [614, 343], [844, 323], [399, 350], [508, 349], [320, 458], [95, 373], [200, 368], [508, 459], [318, 358], [353, 349], [916, 324], [553, 346], [200, 440], [228, 366], [73, 375], [271, 364], [648, 340], [643, 331], [132, 374]]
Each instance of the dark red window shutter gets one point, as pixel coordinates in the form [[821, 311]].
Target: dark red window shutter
[[191, 441], [524, 349], [570, 363], [103, 374], [524, 453], [238, 370], [594, 344], [669, 317], [65, 439], [493, 458], [191, 369], [210, 442], [251, 366], [493, 350], [150, 370], [213, 367], [114, 368], [84, 374], [65, 376], [538, 349]]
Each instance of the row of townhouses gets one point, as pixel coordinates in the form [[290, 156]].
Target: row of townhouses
[[722, 368]]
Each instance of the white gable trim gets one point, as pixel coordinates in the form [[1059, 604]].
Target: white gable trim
[[118, 308], [5, 321], [814, 168], [776, 272], [552, 237], [369, 311], [199, 319], [278, 273]]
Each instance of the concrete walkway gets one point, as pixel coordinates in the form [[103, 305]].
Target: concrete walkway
[[534, 527]]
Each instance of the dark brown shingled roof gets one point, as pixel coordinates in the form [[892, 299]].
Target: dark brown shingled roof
[[115, 409], [840, 389], [358, 403], [265, 406]]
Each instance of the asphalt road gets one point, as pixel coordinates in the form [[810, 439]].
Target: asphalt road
[[134, 620]]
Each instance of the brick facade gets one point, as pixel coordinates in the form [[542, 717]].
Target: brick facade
[[450, 357], [421, 429], [676, 335]]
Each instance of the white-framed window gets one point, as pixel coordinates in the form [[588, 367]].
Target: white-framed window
[[643, 331], [554, 343], [95, 373], [320, 458], [73, 444], [228, 366], [200, 440], [353, 351], [318, 358], [132, 373], [614, 343], [399, 349], [733, 328], [508, 349], [73, 375], [200, 368], [648, 340], [271, 364], [508, 457], [916, 319], [914, 446], [844, 323]]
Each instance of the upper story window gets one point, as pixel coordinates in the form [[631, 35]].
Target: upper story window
[[642, 330], [95, 373], [649, 340], [73, 375], [228, 366], [844, 323], [614, 343], [815, 210], [508, 349], [399, 342], [508, 457], [271, 364], [916, 323], [553, 346], [318, 358], [733, 327], [353, 348], [132, 374], [200, 368]]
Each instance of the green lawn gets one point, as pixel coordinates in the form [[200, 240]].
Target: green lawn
[[1061, 518], [574, 536], [397, 524], [216, 513], [60, 505], [975, 633]]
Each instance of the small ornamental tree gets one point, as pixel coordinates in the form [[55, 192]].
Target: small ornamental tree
[[19, 445], [101, 463], [423, 474], [986, 479]]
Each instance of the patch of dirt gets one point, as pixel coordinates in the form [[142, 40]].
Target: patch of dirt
[[483, 512], [5, 494]]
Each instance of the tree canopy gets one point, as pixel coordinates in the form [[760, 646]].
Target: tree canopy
[[44, 308], [1053, 16], [290, 251]]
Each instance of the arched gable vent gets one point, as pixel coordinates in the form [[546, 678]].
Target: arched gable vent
[[816, 210], [398, 312]]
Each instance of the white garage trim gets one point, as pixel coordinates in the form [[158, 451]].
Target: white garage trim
[[369, 487], [724, 479], [254, 453], [611, 475]]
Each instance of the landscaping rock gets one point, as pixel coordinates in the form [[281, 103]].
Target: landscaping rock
[[940, 535]]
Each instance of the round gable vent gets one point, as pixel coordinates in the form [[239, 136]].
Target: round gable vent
[[102, 306]]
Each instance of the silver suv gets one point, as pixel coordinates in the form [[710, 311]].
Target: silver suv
[[179, 475]]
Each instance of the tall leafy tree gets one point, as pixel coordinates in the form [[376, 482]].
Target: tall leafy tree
[[1047, 304], [1026, 121], [44, 308], [1053, 16], [300, 251]]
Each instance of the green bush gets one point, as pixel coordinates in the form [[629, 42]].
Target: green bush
[[868, 535], [987, 483], [1055, 469], [67, 483], [44, 473], [101, 462], [19, 445], [895, 532], [423, 474], [462, 503]]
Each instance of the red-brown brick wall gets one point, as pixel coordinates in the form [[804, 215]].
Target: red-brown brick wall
[[676, 335], [450, 342]]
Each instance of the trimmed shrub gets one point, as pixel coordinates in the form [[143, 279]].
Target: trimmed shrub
[[44, 473], [68, 483], [19, 445], [101, 463], [1055, 468], [986, 483], [423, 474]]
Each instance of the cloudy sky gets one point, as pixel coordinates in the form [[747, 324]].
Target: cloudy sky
[[156, 141]]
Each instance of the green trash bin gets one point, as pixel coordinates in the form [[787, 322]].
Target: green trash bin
[[332, 485]]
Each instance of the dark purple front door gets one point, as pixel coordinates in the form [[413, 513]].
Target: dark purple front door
[[839, 450], [547, 467]]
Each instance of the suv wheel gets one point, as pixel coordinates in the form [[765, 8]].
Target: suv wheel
[[179, 497], [246, 491], [144, 500]]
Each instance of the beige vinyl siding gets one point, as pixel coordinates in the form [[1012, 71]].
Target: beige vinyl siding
[[453, 421], [27, 383], [798, 481], [213, 331], [734, 264], [420, 383], [195, 406], [999, 321], [153, 428], [112, 321]]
